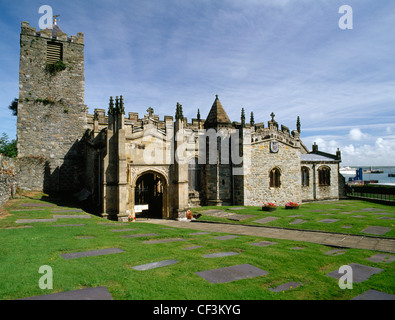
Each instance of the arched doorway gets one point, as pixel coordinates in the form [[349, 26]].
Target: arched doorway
[[150, 196]]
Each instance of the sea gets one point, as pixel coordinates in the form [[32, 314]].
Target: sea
[[382, 178]]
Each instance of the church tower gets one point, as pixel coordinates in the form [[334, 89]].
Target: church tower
[[52, 115]]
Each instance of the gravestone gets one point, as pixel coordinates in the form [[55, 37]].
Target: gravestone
[[381, 257], [374, 295], [66, 211], [91, 253], [140, 235], [376, 230], [123, 230], [335, 252], [360, 272], [154, 265], [298, 221], [263, 243], [328, 220], [228, 274], [99, 293], [266, 220], [198, 233], [220, 254], [34, 220], [192, 248], [228, 237], [69, 216], [240, 217], [164, 240], [69, 225], [286, 286], [33, 205]]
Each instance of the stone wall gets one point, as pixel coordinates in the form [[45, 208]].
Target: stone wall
[[51, 109], [256, 182], [8, 178]]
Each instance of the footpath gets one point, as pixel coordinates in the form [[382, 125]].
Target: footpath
[[325, 238]]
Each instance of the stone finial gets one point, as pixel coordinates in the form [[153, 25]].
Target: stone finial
[[298, 124], [272, 115], [121, 106], [252, 121], [198, 115], [150, 111], [179, 113], [243, 118], [111, 106]]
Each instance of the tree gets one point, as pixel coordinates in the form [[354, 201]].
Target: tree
[[8, 148], [14, 107]]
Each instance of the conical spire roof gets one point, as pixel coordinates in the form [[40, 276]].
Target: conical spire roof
[[217, 116]]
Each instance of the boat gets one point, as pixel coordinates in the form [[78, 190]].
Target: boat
[[348, 170], [391, 175], [373, 171]]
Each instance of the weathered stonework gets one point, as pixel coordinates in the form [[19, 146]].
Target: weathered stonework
[[51, 109], [129, 165]]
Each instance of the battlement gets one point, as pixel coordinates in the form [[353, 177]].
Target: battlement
[[52, 34]]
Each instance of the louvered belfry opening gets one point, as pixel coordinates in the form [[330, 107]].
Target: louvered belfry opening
[[54, 52]]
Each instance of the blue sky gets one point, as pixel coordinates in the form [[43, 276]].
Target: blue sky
[[284, 56]]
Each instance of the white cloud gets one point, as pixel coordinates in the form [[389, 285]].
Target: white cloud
[[356, 134]]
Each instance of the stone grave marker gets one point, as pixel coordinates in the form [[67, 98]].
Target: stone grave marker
[[140, 235], [360, 272], [376, 230], [192, 248], [220, 254], [99, 293], [382, 257], [266, 220], [69, 225], [263, 243], [198, 233], [374, 295], [122, 230], [70, 216], [164, 240], [298, 221], [228, 237], [154, 265], [328, 220], [91, 253], [34, 205], [228, 274], [34, 220], [286, 286], [335, 252]]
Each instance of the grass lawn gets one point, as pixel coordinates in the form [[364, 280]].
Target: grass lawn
[[25, 249], [355, 215]]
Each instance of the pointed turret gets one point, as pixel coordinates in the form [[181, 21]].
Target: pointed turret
[[217, 116]]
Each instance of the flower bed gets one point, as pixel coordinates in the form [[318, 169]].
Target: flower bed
[[269, 206], [291, 205]]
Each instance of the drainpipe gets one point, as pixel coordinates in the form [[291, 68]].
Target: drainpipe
[[314, 183]]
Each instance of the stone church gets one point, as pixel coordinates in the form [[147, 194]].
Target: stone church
[[142, 165]]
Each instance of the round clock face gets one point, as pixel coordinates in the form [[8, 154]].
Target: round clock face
[[274, 146]]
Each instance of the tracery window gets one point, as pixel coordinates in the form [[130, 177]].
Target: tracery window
[[275, 178], [324, 176]]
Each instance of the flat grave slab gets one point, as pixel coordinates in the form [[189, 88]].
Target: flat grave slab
[[228, 274], [335, 252], [34, 205], [91, 253], [298, 221], [218, 213], [70, 216], [84, 237], [228, 237], [34, 220], [382, 257], [360, 272], [66, 211], [154, 265], [266, 220], [69, 225], [241, 217], [140, 235], [164, 240], [198, 233], [374, 295], [376, 230], [220, 254], [23, 210], [286, 286], [211, 211], [295, 216], [192, 248], [122, 230], [385, 218], [99, 293], [263, 243], [346, 227], [237, 208], [329, 220]]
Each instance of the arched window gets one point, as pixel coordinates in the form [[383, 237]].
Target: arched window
[[275, 178], [305, 177], [194, 175], [324, 176]]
